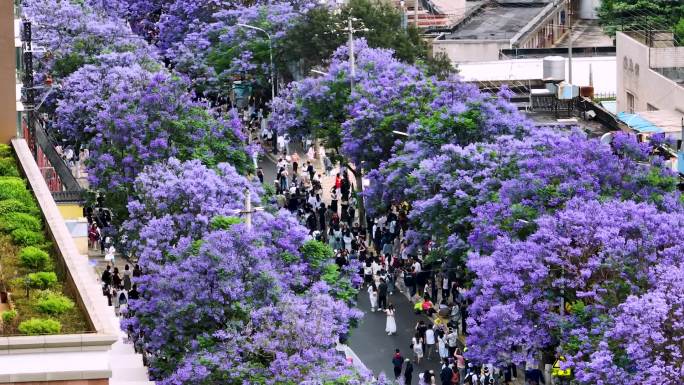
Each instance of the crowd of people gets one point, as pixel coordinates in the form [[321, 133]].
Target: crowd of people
[[386, 261]]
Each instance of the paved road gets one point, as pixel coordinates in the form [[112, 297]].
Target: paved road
[[375, 348]]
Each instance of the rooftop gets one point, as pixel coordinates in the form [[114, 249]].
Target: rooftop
[[587, 33], [496, 21]]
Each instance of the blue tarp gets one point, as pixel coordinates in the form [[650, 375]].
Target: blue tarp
[[638, 123]]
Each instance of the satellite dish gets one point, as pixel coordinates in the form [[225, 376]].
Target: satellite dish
[[607, 138]]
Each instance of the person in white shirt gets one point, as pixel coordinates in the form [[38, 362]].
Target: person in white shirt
[[416, 266], [429, 341]]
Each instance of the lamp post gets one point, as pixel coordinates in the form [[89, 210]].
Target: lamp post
[[270, 54]]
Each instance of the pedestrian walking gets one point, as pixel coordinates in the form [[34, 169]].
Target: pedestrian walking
[[115, 301], [127, 274], [452, 341], [417, 346], [391, 324], [107, 276], [137, 272], [310, 170], [116, 279], [446, 374], [382, 295], [460, 364], [295, 162], [397, 362], [368, 273], [328, 165], [442, 345], [408, 372], [373, 296], [260, 175], [429, 341]]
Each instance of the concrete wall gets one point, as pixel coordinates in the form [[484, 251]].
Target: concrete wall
[[8, 97], [464, 51], [588, 9], [649, 88]]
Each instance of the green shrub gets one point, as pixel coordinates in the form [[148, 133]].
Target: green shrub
[[5, 150], [53, 303], [34, 258], [42, 279], [221, 222], [12, 221], [14, 188], [16, 206], [8, 316], [8, 167], [317, 253], [23, 237], [36, 326]]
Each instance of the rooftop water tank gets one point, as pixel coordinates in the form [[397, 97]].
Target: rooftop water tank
[[554, 68]]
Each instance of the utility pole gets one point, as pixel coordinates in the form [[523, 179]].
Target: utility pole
[[248, 211], [352, 64], [415, 13], [570, 56], [352, 74], [29, 85]]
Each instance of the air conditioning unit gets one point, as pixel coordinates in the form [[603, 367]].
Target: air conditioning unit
[[567, 91]]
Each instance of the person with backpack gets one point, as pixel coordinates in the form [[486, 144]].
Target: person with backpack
[[446, 374], [397, 362]]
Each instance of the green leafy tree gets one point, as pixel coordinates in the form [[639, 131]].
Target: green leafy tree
[[631, 15], [314, 39]]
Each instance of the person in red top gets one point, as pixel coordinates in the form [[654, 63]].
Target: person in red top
[[338, 182], [427, 307]]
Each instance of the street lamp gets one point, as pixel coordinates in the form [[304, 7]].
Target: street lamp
[[270, 53]]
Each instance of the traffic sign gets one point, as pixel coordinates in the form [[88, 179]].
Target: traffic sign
[[556, 371]]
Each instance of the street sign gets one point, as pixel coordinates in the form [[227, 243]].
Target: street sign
[[556, 371]]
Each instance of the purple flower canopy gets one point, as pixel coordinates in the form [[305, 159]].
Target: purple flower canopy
[[235, 290]]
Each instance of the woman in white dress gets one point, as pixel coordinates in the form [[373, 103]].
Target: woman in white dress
[[391, 325], [417, 346], [442, 345], [373, 296]]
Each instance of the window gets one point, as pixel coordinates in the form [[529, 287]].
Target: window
[[651, 107], [630, 103]]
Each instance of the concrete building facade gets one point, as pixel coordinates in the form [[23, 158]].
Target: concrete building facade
[[650, 73], [496, 25], [8, 88]]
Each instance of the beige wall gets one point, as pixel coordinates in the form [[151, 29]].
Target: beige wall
[[464, 51], [101, 381], [648, 87], [8, 98]]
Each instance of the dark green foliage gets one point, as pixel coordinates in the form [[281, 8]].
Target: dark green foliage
[[640, 15], [313, 40]]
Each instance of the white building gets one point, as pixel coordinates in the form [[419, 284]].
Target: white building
[[650, 73]]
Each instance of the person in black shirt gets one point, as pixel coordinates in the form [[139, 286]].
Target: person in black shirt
[[382, 295], [134, 294], [107, 276]]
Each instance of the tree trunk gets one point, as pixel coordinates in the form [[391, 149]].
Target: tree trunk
[[359, 199]]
